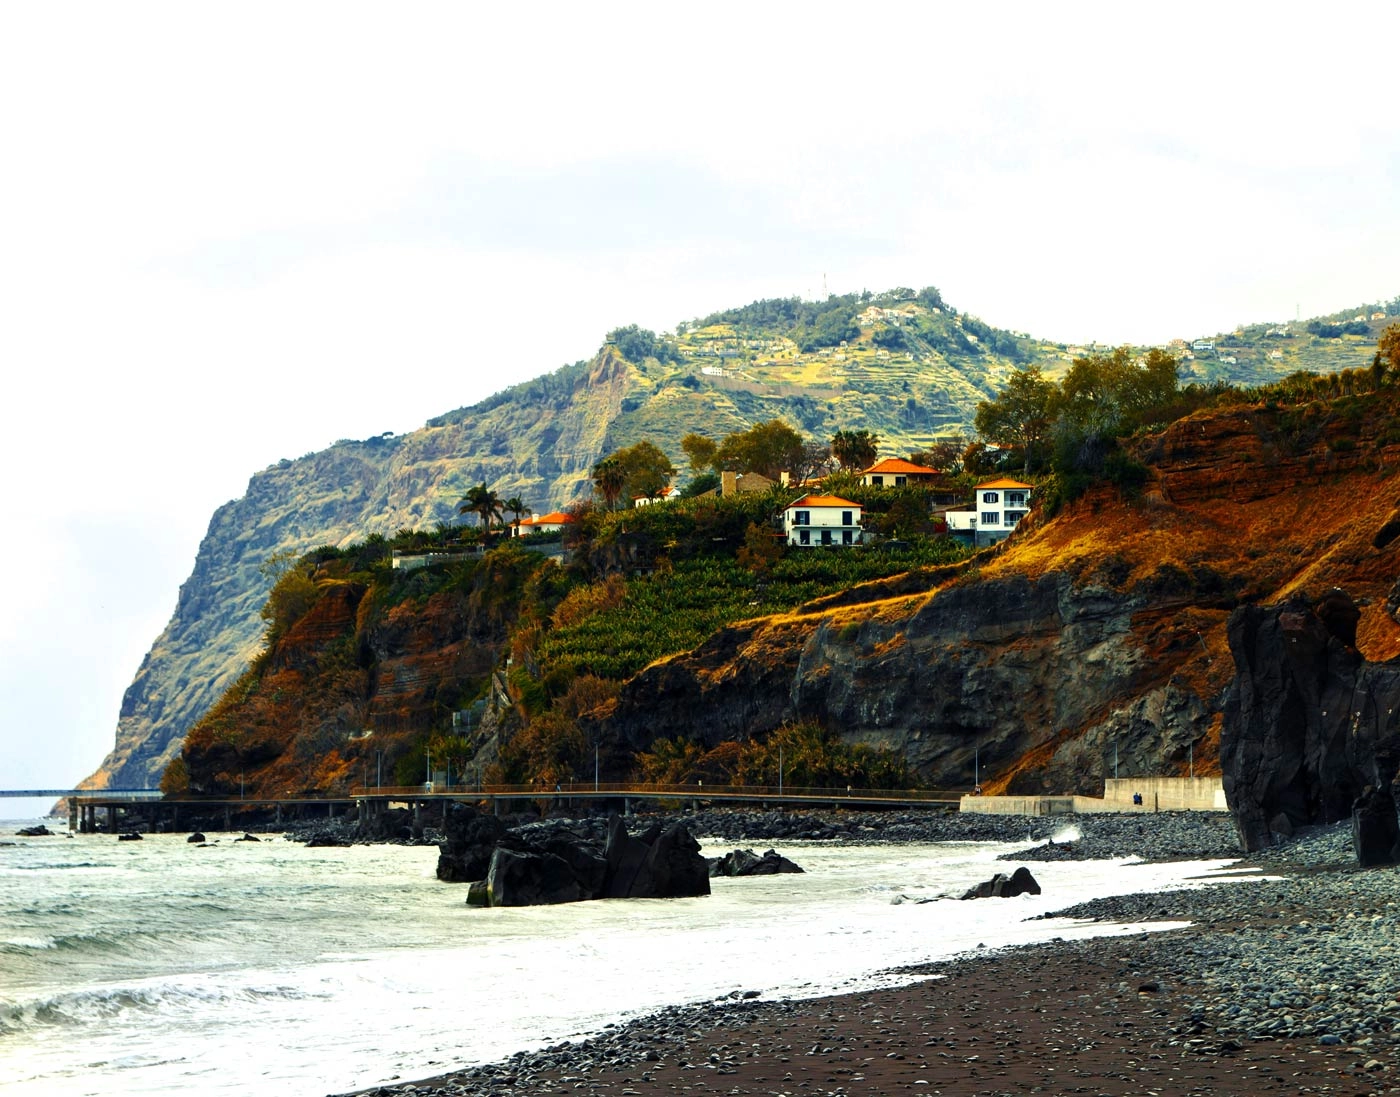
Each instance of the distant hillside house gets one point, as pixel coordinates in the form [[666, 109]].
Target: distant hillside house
[[893, 473], [999, 505], [672, 492], [822, 520], [544, 523]]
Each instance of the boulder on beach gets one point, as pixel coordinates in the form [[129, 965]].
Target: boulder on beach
[[663, 863], [1002, 886], [252, 838], [40, 831], [196, 838], [130, 836], [745, 862]]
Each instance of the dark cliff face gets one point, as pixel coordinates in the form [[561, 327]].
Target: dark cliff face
[[996, 669], [1309, 724]]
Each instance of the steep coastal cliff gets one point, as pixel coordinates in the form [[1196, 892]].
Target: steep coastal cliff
[[1100, 635]]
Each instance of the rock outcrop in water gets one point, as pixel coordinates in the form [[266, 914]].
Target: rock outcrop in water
[[1311, 733], [561, 867]]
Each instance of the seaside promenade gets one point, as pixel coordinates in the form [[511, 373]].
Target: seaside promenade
[[121, 805]]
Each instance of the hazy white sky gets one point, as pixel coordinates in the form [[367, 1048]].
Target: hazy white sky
[[231, 234]]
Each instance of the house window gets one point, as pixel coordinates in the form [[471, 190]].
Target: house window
[[802, 518], [1011, 517], [989, 497], [804, 537], [845, 537], [900, 481], [989, 518], [877, 481], [826, 536], [1015, 498], [846, 518]]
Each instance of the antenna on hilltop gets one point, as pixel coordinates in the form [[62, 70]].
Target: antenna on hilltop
[[825, 292]]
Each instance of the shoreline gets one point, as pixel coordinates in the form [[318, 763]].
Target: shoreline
[[1290, 986]]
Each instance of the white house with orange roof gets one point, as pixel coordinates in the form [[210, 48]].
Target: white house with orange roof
[[822, 520], [894, 472], [543, 523], [998, 506]]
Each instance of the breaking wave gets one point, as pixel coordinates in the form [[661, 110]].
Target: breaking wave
[[103, 1004]]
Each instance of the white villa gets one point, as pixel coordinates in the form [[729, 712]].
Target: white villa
[[822, 520], [893, 472], [998, 506], [542, 523]]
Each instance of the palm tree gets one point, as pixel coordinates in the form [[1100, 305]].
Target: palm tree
[[484, 503], [609, 477], [516, 507]]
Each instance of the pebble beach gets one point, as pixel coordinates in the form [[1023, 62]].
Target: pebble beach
[[1289, 983]]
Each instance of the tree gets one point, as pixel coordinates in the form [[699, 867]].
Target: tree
[[760, 550], [484, 503], [649, 470], [609, 478], [1020, 415], [1386, 363], [945, 455], [700, 452], [816, 460], [518, 508], [769, 449], [855, 449]]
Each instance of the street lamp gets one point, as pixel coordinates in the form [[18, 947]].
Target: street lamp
[[780, 769]]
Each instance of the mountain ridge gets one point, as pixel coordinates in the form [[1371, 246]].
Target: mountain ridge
[[880, 364]]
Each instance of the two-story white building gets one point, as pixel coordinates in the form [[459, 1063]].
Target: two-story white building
[[822, 520], [998, 506]]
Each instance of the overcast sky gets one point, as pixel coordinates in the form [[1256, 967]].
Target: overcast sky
[[231, 234]]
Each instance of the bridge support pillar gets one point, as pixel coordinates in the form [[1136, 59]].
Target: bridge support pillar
[[330, 811], [112, 818], [228, 817], [417, 813], [627, 805]]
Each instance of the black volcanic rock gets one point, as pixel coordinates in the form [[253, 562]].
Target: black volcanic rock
[[745, 862], [1002, 886], [470, 839], [1375, 830], [561, 867], [1310, 730]]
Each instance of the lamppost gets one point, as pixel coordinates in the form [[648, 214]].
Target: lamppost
[[780, 769], [595, 765], [378, 769]]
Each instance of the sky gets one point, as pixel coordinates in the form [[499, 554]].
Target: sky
[[231, 234]]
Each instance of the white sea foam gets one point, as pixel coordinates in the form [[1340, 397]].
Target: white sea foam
[[267, 968]]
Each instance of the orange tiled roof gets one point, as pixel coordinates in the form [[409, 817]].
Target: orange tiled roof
[[899, 465], [1003, 483], [822, 501], [553, 518]]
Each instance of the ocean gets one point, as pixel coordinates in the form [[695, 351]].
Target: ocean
[[157, 967]]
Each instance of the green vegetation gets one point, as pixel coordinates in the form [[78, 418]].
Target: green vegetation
[[810, 756]]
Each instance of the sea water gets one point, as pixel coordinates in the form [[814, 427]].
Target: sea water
[[272, 968]]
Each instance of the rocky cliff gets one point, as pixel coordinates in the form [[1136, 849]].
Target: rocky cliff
[[1311, 732], [1093, 641], [540, 445], [539, 440]]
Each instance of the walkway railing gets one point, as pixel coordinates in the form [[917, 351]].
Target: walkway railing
[[642, 790]]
